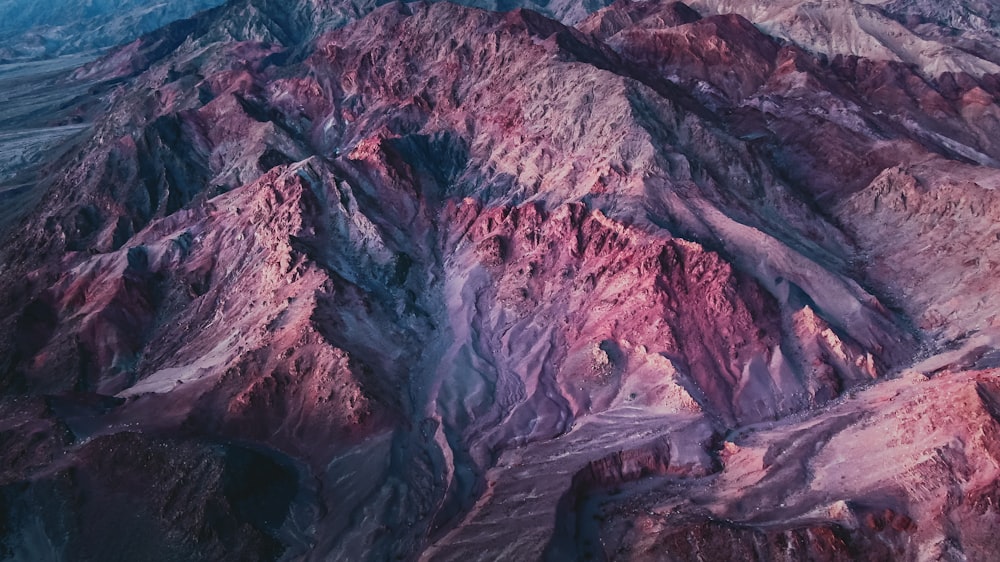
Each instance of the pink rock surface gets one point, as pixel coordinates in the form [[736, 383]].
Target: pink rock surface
[[435, 282]]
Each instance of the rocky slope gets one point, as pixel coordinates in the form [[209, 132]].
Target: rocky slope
[[41, 113], [958, 37], [326, 281], [33, 30]]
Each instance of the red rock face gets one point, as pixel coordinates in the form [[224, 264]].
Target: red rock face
[[447, 284]]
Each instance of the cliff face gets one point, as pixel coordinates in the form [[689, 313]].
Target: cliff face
[[436, 282]]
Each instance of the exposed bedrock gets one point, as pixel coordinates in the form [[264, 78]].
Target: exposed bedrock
[[889, 473], [477, 285]]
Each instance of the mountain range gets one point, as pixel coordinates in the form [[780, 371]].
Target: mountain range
[[330, 280], [31, 30]]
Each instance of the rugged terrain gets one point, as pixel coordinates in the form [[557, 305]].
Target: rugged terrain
[[37, 30], [936, 37], [329, 281]]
